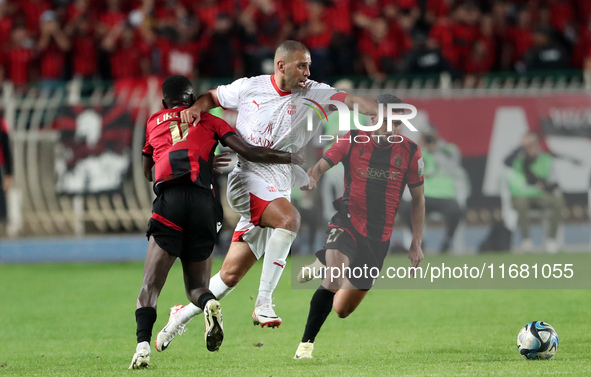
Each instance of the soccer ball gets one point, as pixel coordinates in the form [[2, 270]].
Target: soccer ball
[[537, 340]]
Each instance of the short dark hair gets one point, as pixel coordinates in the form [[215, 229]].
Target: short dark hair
[[387, 98], [176, 87], [290, 46]]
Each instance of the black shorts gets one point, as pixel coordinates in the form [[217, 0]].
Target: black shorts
[[185, 221], [364, 255]]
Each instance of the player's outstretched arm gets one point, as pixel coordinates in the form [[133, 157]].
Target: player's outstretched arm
[[367, 106], [148, 164], [205, 102], [315, 173], [415, 253], [261, 154]]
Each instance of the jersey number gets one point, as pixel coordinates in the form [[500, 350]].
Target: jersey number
[[334, 234], [178, 133]]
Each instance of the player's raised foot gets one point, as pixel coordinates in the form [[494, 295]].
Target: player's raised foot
[[312, 271], [172, 329], [214, 326], [264, 315], [304, 351], [141, 359]]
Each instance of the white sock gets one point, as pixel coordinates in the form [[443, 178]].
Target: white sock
[[276, 252], [217, 287], [141, 346]]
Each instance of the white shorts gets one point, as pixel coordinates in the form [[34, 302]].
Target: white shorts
[[249, 195]]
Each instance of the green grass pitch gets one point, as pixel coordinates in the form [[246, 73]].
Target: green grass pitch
[[78, 320]]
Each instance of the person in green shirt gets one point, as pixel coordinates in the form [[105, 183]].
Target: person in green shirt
[[532, 186], [446, 183]]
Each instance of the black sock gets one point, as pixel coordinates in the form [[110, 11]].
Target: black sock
[[202, 300], [320, 307], [145, 319]]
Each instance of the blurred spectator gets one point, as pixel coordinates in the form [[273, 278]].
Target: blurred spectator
[[208, 11], [441, 36], [218, 57], [424, 57], [111, 17], [519, 40], [342, 51], [179, 52], [32, 11], [379, 50], [78, 8], [545, 53], [465, 31], [261, 27], [436, 9], [83, 37], [403, 27], [6, 22], [561, 14], [5, 173], [533, 186], [52, 47], [129, 55], [345, 37], [482, 58], [446, 184], [19, 57], [316, 34]]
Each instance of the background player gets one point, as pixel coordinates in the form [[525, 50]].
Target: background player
[[376, 174], [186, 216], [5, 173], [268, 114]]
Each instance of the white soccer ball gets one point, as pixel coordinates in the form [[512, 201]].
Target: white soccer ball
[[537, 340]]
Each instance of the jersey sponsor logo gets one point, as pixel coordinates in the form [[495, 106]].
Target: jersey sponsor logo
[[218, 226], [268, 129], [378, 174], [255, 102], [271, 189]]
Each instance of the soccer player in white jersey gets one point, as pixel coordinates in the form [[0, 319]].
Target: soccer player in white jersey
[[260, 193]]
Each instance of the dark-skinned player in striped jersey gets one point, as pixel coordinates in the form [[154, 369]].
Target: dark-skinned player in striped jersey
[[186, 215], [378, 166]]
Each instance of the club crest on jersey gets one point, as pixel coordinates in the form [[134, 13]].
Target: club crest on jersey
[[291, 109], [398, 160], [271, 189]]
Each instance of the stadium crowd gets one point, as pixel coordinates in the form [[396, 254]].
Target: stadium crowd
[[50, 41]]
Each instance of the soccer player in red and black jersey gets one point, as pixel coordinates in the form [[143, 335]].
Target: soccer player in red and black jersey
[[378, 166], [186, 216]]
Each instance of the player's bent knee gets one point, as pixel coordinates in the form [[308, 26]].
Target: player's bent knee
[[295, 221], [231, 277], [343, 312], [289, 222]]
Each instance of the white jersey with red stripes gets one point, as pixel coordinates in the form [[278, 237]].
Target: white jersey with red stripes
[[269, 117]]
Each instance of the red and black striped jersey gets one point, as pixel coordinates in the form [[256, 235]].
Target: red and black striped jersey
[[375, 178], [179, 149]]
